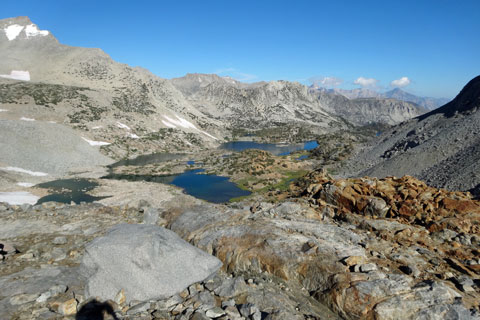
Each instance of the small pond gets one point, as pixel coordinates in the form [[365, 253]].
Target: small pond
[[302, 157], [208, 187], [275, 149], [68, 190]]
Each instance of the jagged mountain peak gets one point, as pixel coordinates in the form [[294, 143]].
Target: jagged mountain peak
[[191, 83], [357, 93], [208, 78], [467, 100]]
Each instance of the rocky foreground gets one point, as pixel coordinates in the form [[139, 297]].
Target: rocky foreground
[[355, 248]]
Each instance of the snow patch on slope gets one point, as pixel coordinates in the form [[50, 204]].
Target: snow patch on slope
[[32, 173], [180, 122], [25, 184], [123, 126], [168, 124], [96, 143], [32, 31], [17, 75], [18, 197], [13, 31], [208, 134], [133, 136]]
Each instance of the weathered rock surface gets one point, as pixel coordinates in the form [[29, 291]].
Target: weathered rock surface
[[335, 248], [264, 104], [46, 147], [363, 264], [407, 199], [148, 262]]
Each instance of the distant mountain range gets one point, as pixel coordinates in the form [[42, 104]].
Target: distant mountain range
[[131, 111], [397, 93], [262, 104]]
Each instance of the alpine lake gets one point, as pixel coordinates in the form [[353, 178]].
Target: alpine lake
[[195, 182]]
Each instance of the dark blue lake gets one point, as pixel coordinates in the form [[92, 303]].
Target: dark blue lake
[[275, 149], [69, 190], [212, 188]]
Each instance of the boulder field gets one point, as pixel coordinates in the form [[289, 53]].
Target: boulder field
[[333, 249]]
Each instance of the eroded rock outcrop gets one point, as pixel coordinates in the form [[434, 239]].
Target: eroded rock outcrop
[[350, 244]]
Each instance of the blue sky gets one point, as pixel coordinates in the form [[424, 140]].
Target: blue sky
[[434, 44]]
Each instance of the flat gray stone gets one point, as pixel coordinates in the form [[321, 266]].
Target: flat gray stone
[[150, 216], [232, 287], [148, 262], [215, 312], [59, 240]]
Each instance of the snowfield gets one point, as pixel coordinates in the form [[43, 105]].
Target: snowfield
[[31, 30], [13, 31], [25, 184], [17, 75], [18, 197], [180, 122], [123, 126], [133, 136]]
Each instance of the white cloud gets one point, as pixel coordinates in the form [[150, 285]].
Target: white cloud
[[400, 83], [366, 82], [235, 74], [326, 81]]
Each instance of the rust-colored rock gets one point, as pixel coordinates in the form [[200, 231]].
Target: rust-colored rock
[[408, 199]]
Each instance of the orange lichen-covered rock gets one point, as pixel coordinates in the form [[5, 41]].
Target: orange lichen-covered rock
[[406, 198]]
